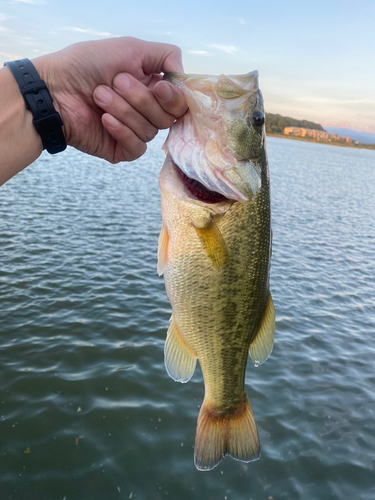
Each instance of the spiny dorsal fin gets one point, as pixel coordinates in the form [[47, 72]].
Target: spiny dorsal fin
[[179, 359], [261, 346], [213, 244], [162, 250]]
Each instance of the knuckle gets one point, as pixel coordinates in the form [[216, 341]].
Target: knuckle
[[141, 100], [126, 113]]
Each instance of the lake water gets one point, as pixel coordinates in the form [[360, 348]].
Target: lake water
[[87, 411]]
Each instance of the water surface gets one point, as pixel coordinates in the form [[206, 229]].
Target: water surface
[[87, 410]]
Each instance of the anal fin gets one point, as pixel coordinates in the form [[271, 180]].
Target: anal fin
[[261, 345], [179, 359]]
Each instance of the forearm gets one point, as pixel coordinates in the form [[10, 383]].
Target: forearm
[[20, 144]]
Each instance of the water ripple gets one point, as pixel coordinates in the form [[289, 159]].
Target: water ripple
[[84, 318]]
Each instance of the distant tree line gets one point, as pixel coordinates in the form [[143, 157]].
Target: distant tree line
[[275, 124]]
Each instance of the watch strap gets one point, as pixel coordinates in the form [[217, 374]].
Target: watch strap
[[38, 100]]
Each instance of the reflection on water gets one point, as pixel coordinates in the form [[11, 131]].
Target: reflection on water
[[87, 410]]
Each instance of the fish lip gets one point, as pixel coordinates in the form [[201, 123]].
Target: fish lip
[[197, 190]]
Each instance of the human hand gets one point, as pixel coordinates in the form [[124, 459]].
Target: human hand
[[111, 96]]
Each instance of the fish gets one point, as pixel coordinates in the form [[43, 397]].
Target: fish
[[214, 251]]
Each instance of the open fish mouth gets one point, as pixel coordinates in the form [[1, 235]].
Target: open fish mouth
[[218, 142], [198, 190]]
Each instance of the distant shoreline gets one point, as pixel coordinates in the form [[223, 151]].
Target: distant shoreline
[[332, 143]]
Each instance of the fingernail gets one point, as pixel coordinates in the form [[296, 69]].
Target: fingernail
[[112, 121], [164, 91], [103, 95], [121, 82]]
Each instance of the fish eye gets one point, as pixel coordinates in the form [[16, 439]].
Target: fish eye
[[257, 119]]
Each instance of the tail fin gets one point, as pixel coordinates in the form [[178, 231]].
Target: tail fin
[[232, 432]]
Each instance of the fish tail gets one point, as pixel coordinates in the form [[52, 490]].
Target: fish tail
[[231, 432]]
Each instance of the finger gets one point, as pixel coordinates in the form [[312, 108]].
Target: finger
[[112, 103], [143, 100], [129, 146], [161, 57], [170, 98]]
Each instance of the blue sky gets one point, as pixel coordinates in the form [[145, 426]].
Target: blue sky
[[316, 59]]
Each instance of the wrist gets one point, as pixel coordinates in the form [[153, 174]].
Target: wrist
[[46, 120], [52, 75]]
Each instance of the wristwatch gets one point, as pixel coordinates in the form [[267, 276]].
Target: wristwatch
[[47, 120]]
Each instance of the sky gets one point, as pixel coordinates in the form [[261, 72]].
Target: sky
[[316, 59]]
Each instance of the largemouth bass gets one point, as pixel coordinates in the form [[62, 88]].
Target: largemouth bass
[[214, 251]]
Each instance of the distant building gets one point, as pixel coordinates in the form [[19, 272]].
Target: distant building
[[296, 131], [319, 135]]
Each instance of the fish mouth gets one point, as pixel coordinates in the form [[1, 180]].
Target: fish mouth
[[198, 190]]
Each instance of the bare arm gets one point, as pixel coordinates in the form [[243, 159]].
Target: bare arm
[[20, 143], [110, 96]]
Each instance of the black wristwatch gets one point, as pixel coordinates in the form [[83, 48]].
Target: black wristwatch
[[47, 120]]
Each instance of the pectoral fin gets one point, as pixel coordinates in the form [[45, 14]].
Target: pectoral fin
[[179, 359], [213, 244], [162, 250], [261, 345]]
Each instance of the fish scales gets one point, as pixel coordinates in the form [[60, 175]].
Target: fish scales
[[215, 257], [232, 300]]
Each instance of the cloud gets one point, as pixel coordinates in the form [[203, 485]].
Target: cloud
[[342, 124], [100, 34], [242, 21], [4, 17], [349, 124], [161, 33], [199, 52], [9, 57], [229, 49], [3, 29], [32, 2], [341, 102]]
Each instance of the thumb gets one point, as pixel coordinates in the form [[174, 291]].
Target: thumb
[[160, 57]]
